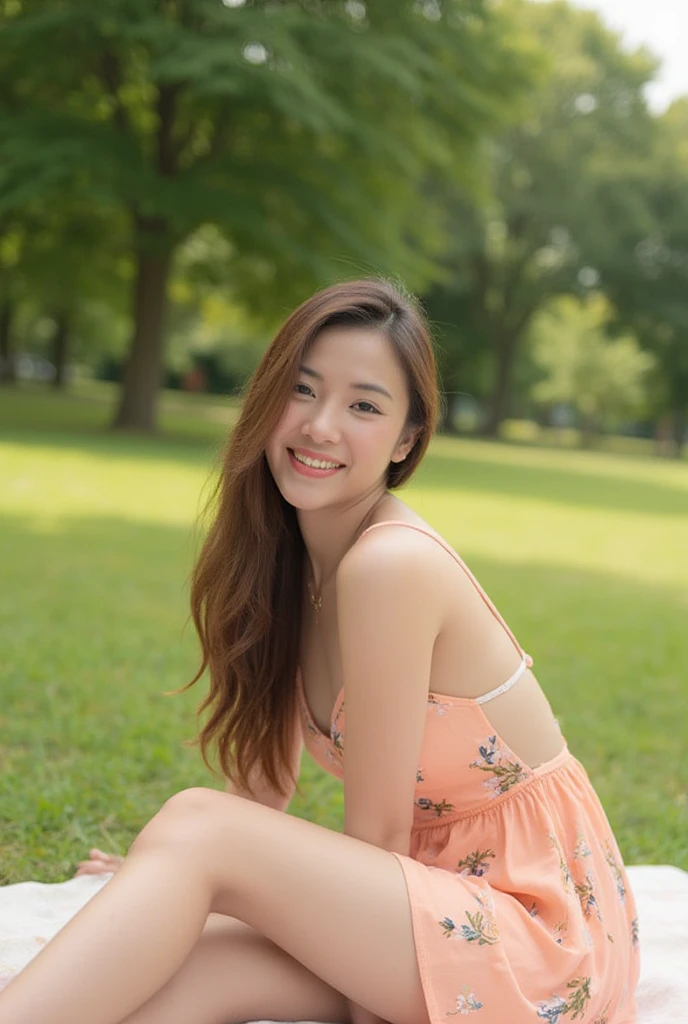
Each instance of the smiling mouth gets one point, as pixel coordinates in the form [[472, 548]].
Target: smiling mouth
[[312, 463]]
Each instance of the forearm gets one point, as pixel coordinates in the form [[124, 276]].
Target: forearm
[[359, 1015]]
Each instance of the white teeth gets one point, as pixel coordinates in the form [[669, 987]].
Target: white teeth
[[314, 463]]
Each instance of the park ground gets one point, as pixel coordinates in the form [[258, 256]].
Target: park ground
[[584, 553]]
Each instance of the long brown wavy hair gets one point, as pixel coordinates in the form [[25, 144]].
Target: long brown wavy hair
[[246, 586]]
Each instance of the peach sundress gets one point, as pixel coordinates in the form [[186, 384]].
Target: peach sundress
[[521, 906]]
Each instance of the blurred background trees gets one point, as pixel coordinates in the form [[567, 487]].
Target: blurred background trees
[[175, 175]]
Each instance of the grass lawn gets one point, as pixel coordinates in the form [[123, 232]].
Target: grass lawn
[[584, 553]]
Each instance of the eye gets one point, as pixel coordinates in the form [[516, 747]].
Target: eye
[[371, 408], [302, 385]]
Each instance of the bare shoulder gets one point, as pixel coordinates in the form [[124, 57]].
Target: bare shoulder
[[394, 558]]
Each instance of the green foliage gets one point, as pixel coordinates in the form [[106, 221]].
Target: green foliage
[[579, 550], [602, 378], [305, 132], [650, 282], [543, 226], [299, 131]]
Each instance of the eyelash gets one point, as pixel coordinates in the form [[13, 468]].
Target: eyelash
[[362, 402]]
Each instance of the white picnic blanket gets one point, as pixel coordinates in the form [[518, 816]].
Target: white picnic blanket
[[31, 913]]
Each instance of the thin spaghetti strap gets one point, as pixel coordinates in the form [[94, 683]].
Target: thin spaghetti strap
[[467, 571]]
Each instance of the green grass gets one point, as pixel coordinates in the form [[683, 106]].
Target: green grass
[[584, 553]]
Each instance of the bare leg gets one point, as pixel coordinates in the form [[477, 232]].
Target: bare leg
[[337, 905], [235, 974]]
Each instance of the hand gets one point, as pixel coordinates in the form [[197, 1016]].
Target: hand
[[99, 863]]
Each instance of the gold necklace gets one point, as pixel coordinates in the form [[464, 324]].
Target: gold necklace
[[316, 602]]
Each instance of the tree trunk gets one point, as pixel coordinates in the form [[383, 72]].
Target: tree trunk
[[505, 351], [8, 373], [589, 430], [679, 430], [143, 372], [60, 345]]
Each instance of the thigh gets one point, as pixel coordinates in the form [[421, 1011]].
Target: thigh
[[235, 974], [336, 904]]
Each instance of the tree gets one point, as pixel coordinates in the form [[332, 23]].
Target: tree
[[301, 129], [649, 286], [602, 378], [66, 256], [541, 224], [9, 246]]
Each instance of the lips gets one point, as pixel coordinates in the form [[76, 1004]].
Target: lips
[[320, 456]]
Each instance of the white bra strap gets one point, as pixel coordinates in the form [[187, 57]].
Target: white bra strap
[[508, 684]]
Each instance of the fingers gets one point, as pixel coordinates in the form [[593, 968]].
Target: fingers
[[99, 863]]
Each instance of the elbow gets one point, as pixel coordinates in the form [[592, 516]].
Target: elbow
[[397, 842]]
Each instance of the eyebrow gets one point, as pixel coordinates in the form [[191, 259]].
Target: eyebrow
[[377, 388]]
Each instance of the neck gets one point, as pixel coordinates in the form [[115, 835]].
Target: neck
[[328, 534]]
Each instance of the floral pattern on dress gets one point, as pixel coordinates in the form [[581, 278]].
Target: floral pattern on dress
[[617, 872], [581, 849], [493, 759], [552, 1009], [634, 933], [586, 894], [482, 924], [466, 1002], [476, 863], [426, 804], [419, 775], [333, 756], [312, 731], [482, 927], [604, 1019], [448, 928], [564, 870]]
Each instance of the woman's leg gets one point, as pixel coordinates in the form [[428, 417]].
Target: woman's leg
[[235, 974], [337, 905]]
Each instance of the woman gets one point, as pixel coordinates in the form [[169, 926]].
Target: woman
[[477, 872]]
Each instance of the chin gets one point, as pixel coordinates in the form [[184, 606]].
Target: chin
[[302, 502]]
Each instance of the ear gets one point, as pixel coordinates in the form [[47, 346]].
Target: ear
[[405, 445]]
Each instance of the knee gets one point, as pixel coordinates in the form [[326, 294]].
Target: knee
[[186, 819]]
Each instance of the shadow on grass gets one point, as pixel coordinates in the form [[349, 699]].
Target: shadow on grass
[[92, 632]]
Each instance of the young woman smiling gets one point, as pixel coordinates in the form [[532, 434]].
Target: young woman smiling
[[477, 872]]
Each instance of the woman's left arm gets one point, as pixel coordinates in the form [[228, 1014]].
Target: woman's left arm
[[389, 609]]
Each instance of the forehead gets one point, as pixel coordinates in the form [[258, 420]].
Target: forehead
[[366, 353]]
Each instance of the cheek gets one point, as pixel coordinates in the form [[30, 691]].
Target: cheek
[[373, 442], [284, 426]]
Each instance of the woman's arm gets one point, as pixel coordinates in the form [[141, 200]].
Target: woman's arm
[[389, 616]]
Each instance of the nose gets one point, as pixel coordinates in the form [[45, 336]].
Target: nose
[[321, 426]]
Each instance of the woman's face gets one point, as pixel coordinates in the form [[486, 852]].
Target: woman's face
[[348, 408]]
